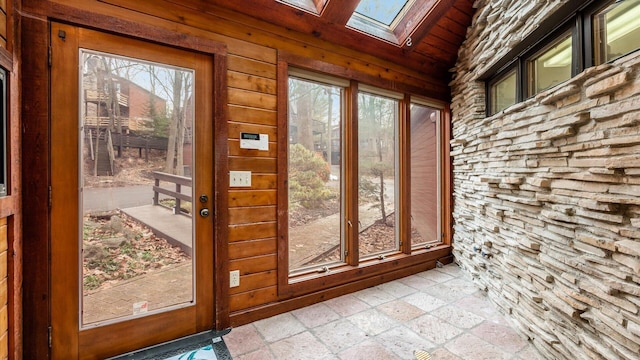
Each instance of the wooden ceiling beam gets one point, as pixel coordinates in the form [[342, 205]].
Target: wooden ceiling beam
[[339, 11], [425, 15]]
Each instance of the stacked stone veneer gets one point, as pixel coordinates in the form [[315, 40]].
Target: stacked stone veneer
[[547, 194]]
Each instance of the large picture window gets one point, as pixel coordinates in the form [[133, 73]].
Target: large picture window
[[316, 235], [363, 178], [377, 173]]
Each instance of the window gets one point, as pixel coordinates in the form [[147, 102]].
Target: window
[[616, 30], [551, 66], [578, 35], [385, 12], [503, 92], [377, 172], [316, 234], [349, 202], [424, 154]]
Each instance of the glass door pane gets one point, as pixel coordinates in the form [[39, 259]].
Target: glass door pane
[[377, 134], [136, 121]]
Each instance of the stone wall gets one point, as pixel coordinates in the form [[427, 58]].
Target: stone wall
[[547, 194]]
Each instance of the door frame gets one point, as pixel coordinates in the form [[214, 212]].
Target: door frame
[[187, 320]]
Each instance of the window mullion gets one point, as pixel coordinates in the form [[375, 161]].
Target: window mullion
[[404, 201], [351, 176]]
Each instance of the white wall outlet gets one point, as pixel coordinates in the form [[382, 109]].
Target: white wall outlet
[[234, 278], [240, 178]]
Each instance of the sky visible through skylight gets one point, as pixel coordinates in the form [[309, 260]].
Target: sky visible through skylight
[[384, 11]]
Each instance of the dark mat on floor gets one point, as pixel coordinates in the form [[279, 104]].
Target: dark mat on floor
[[182, 346]]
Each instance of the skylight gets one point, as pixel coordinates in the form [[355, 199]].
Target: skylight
[[382, 11]]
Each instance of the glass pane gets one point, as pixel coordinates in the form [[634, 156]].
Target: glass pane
[[617, 30], [424, 175], [315, 154], [551, 67], [377, 122], [383, 11], [503, 93], [136, 156]]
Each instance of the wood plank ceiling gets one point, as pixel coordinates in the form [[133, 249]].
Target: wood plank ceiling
[[426, 38]]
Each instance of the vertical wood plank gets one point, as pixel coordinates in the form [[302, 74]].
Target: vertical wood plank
[[35, 143]]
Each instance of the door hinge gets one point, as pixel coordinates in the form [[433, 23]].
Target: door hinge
[[346, 253], [50, 336], [50, 197], [50, 55]]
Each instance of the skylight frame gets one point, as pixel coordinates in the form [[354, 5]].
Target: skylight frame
[[396, 20]]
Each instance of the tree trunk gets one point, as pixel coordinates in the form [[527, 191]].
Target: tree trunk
[[175, 124]]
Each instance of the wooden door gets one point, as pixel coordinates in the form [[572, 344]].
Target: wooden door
[[132, 243]]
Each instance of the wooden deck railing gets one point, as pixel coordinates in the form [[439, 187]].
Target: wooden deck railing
[[104, 121], [179, 181], [101, 96]]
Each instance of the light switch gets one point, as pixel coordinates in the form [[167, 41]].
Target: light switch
[[240, 178]]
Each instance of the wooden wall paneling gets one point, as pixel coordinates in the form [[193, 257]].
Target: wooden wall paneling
[[255, 264], [4, 299], [35, 142], [251, 248], [305, 45], [283, 174], [261, 280], [252, 231], [252, 67], [308, 25], [465, 6], [235, 150], [249, 299], [258, 165], [249, 82], [356, 283], [64, 184], [252, 102], [445, 34], [251, 115], [221, 181], [254, 214], [252, 98]]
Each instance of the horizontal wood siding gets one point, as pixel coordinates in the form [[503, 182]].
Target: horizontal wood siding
[[252, 212]]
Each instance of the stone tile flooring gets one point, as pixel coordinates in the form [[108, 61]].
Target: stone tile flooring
[[439, 311]]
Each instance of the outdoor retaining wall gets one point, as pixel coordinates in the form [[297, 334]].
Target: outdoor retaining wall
[[547, 194]]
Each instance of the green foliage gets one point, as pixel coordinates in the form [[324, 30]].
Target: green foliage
[[161, 125], [308, 173], [91, 282]]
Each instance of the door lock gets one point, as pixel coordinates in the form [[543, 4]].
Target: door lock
[[204, 212], [204, 198]]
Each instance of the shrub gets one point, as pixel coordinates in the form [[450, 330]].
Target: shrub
[[307, 174]]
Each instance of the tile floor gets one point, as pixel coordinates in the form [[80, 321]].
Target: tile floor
[[439, 311]]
